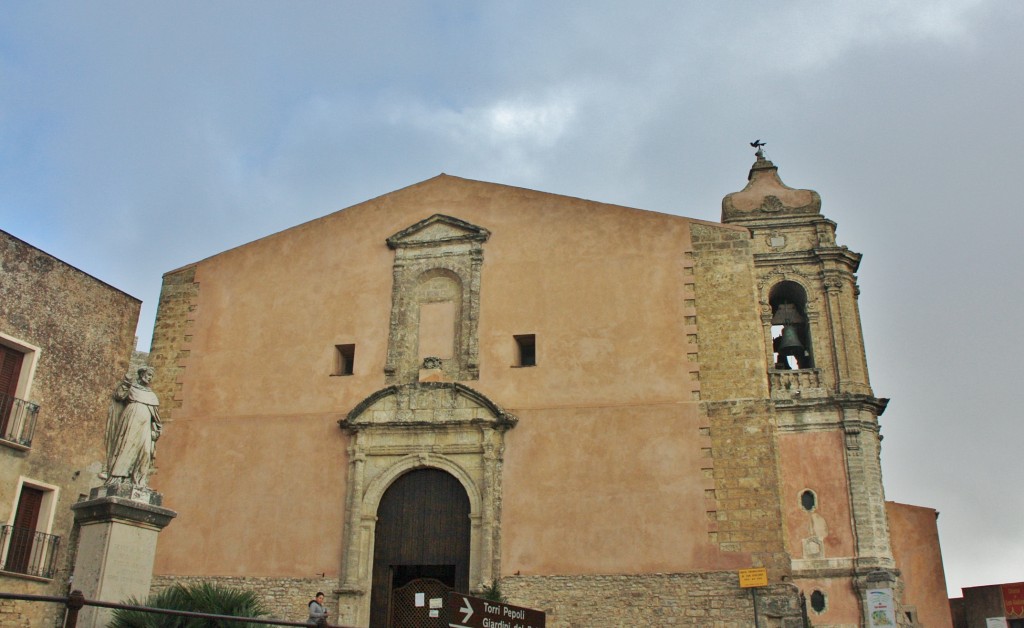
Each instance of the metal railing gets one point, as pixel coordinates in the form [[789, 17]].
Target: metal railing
[[28, 552], [76, 601], [17, 420]]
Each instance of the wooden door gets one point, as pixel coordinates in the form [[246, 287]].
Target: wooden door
[[23, 532], [423, 530]]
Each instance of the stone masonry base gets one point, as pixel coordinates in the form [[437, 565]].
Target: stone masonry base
[[712, 600], [621, 601]]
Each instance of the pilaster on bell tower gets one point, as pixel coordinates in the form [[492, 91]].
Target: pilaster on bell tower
[[807, 287]]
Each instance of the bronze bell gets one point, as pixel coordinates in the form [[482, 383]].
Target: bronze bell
[[789, 342], [786, 314]]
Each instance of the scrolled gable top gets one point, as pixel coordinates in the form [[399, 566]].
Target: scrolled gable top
[[425, 404]]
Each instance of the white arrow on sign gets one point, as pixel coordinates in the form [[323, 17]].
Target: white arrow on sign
[[467, 609]]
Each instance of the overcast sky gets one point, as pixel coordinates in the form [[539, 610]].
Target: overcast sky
[[136, 137]]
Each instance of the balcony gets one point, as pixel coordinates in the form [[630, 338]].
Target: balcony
[[17, 421], [28, 552], [796, 383]]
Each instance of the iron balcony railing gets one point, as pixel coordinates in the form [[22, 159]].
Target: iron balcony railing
[[28, 552], [17, 420]]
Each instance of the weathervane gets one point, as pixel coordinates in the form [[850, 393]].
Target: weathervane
[[758, 145]]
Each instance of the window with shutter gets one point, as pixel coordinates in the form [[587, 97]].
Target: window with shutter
[[10, 370]]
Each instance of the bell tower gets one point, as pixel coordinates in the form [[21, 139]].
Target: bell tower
[[817, 372]]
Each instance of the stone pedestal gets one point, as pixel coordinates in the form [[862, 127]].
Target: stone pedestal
[[116, 546]]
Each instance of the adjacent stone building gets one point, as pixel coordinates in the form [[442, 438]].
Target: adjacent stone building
[[989, 605], [606, 411], [65, 339]]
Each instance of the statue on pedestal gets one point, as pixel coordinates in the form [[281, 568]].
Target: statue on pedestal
[[133, 426]]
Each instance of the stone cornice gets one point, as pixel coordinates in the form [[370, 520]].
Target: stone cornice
[[121, 509], [875, 405], [839, 254]]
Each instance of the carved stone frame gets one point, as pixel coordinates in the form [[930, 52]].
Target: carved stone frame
[[440, 425], [439, 245]]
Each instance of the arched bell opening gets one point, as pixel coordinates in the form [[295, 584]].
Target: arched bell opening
[[791, 333]]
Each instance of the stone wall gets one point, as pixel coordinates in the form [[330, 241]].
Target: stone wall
[[730, 340], [747, 514], [16, 614], [743, 509], [615, 601], [171, 334]]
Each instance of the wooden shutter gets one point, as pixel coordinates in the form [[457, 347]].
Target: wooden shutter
[[24, 530], [10, 369]]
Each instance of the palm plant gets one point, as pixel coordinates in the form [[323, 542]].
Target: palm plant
[[202, 597]]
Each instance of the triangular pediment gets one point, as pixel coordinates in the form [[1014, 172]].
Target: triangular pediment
[[438, 229], [426, 404]]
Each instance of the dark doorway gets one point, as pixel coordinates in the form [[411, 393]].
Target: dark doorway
[[422, 533]]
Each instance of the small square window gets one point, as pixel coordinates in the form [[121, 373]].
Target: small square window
[[345, 359], [526, 350]]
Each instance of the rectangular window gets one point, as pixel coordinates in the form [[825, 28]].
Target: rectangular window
[[17, 414], [10, 371], [526, 350], [345, 359]]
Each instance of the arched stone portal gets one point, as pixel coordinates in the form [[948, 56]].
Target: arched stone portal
[[423, 531], [440, 426]]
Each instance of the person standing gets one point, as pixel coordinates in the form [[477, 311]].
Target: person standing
[[317, 612]]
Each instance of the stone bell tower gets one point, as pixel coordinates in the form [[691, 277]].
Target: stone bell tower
[[817, 372]]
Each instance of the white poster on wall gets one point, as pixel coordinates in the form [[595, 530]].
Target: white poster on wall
[[995, 622], [881, 612]]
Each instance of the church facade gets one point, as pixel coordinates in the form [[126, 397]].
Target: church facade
[[604, 412]]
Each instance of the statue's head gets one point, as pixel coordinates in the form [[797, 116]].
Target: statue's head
[[146, 374]]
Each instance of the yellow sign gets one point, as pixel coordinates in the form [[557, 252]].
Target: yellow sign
[[753, 578]]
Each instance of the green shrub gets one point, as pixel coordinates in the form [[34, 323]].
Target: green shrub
[[493, 592], [197, 598]]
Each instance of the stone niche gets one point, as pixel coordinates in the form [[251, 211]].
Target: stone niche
[[440, 425], [435, 299]]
